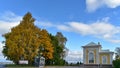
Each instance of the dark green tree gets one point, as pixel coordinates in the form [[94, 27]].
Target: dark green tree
[[62, 42], [117, 53], [57, 60], [116, 62]]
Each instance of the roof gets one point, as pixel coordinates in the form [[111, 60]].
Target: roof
[[106, 51], [92, 44]]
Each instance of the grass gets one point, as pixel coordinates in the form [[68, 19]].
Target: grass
[[19, 66]]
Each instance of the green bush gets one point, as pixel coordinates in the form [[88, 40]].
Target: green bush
[[116, 63]]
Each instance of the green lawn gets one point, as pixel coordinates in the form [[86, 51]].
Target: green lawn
[[18, 66]]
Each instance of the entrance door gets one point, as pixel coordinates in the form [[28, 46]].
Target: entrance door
[[91, 57]]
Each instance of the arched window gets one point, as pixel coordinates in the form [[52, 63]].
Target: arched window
[[104, 59], [91, 57]]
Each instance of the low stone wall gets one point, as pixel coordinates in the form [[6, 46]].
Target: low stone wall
[[97, 66]]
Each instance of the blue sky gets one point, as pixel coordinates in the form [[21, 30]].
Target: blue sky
[[80, 21]]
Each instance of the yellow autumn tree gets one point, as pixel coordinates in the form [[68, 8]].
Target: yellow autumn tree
[[25, 41]]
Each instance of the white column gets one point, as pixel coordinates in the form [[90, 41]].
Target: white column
[[97, 55], [84, 56], [111, 58]]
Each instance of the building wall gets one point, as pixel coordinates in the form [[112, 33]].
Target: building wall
[[97, 55], [86, 55], [104, 54]]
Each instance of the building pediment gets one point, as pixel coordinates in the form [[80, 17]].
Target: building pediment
[[91, 44]]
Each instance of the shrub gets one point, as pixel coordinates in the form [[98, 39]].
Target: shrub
[[116, 63]]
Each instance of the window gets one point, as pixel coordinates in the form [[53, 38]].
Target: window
[[91, 57], [104, 59]]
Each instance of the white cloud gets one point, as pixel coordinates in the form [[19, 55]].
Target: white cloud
[[63, 27], [114, 40], [112, 3], [2, 58], [45, 24], [10, 17], [7, 21], [50, 24], [99, 29], [93, 5], [5, 26], [74, 56], [1, 48]]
